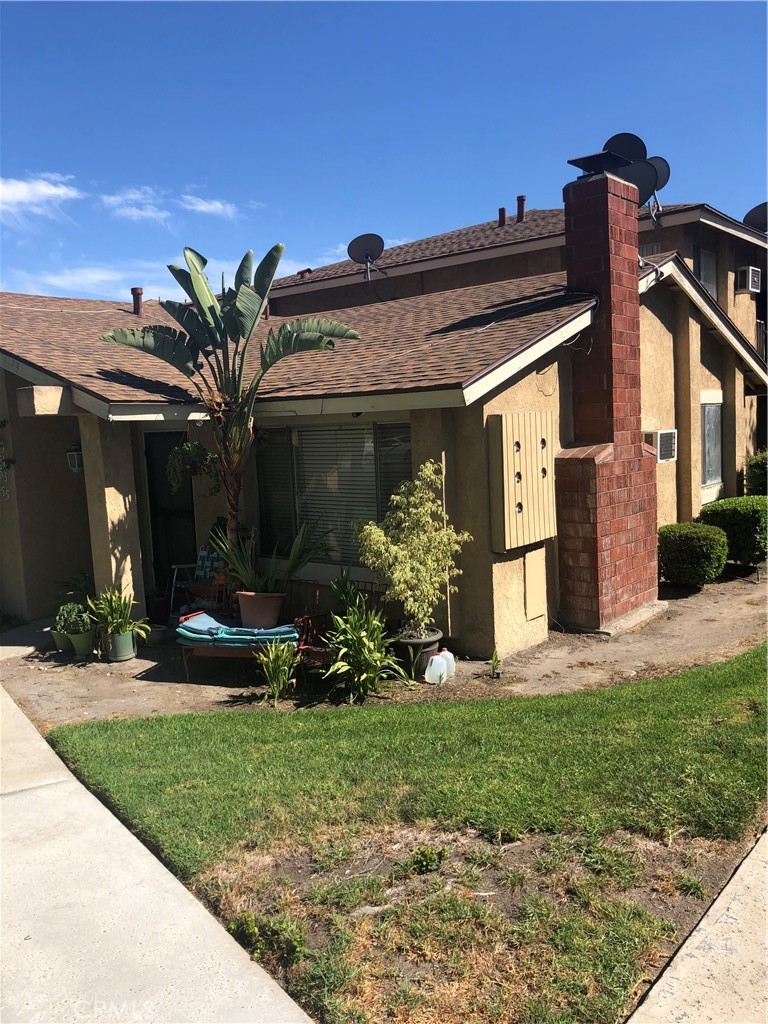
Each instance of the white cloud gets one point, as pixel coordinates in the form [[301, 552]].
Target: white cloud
[[334, 253], [96, 281], [390, 243], [215, 207], [42, 196], [137, 204], [254, 204]]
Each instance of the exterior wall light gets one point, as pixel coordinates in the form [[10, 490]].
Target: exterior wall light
[[75, 457]]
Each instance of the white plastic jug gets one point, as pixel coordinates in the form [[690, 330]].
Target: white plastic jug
[[450, 662], [437, 670]]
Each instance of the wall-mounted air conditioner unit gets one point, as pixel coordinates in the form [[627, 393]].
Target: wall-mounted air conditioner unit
[[665, 443], [748, 279]]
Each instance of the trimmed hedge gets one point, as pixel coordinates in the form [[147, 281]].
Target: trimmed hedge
[[756, 473], [745, 522], [691, 554]]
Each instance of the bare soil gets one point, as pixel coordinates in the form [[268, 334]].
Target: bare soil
[[716, 623], [504, 879]]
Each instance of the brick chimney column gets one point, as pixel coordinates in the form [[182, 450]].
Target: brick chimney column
[[606, 483]]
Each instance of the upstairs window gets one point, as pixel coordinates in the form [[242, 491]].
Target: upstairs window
[[705, 268], [332, 475]]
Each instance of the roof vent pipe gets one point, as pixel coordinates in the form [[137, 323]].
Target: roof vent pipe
[[138, 306], [520, 209], [305, 273], [502, 216]]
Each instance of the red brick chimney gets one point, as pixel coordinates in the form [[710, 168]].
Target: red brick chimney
[[606, 484]]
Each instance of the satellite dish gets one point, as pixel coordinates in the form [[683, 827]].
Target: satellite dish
[[627, 145], [365, 249], [662, 168], [644, 175], [757, 218]]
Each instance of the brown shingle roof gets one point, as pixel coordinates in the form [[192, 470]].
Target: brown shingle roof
[[420, 343], [537, 224], [61, 337]]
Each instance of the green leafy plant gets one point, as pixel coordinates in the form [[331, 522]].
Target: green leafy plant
[[78, 587], [691, 554], [756, 473], [192, 458], [690, 885], [278, 663], [345, 591], [415, 549], [495, 664], [111, 611], [281, 936], [212, 350], [360, 651], [72, 619], [744, 521], [422, 861], [242, 558]]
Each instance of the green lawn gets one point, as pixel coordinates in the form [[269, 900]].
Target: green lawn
[[685, 754]]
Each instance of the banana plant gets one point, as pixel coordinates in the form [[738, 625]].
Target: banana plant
[[211, 350]]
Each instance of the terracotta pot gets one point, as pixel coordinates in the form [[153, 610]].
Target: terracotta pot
[[259, 611]]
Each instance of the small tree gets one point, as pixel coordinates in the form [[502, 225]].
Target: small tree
[[211, 351], [415, 548]]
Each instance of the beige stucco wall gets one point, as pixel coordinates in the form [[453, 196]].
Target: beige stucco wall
[[657, 394], [44, 531], [490, 610], [112, 497]]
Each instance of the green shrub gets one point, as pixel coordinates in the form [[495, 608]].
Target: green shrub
[[72, 619], [360, 651], [744, 521], [278, 663], [281, 936], [691, 554], [756, 473]]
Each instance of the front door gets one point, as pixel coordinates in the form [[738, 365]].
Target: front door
[[172, 515]]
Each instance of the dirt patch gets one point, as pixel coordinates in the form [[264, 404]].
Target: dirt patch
[[422, 925], [716, 623]]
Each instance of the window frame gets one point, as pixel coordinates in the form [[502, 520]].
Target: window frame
[[293, 435], [705, 483]]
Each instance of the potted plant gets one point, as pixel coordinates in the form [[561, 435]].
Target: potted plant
[[76, 623], [261, 592], [59, 631], [414, 551], [111, 611]]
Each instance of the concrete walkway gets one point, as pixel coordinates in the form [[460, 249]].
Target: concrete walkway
[[95, 929], [719, 974]]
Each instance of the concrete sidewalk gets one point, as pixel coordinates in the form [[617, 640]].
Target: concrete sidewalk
[[95, 929], [718, 976]]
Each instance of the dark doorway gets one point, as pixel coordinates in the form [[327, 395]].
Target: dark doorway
[[172, 516]]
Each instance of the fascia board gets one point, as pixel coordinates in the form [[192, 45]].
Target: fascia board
[[492, 379], [427, 263], [717, 319], [130, 412]]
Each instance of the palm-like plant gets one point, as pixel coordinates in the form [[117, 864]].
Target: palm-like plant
[[211, 351]]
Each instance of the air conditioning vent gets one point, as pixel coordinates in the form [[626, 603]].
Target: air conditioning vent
[[749, 279], [665, 443]]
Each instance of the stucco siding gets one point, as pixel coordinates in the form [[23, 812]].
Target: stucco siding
[[49, 526], [657, 390]]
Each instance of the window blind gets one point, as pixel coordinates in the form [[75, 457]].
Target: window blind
[[334, 476]]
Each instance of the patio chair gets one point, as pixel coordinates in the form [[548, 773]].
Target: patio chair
[[312, 647], [195, 580]]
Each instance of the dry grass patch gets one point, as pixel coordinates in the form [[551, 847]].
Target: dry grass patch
[[555, 929]]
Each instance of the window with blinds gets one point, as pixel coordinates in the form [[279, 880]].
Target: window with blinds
[[711, 444], [334, 475]]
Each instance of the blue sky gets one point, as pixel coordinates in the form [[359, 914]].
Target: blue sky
[[132, 129]]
